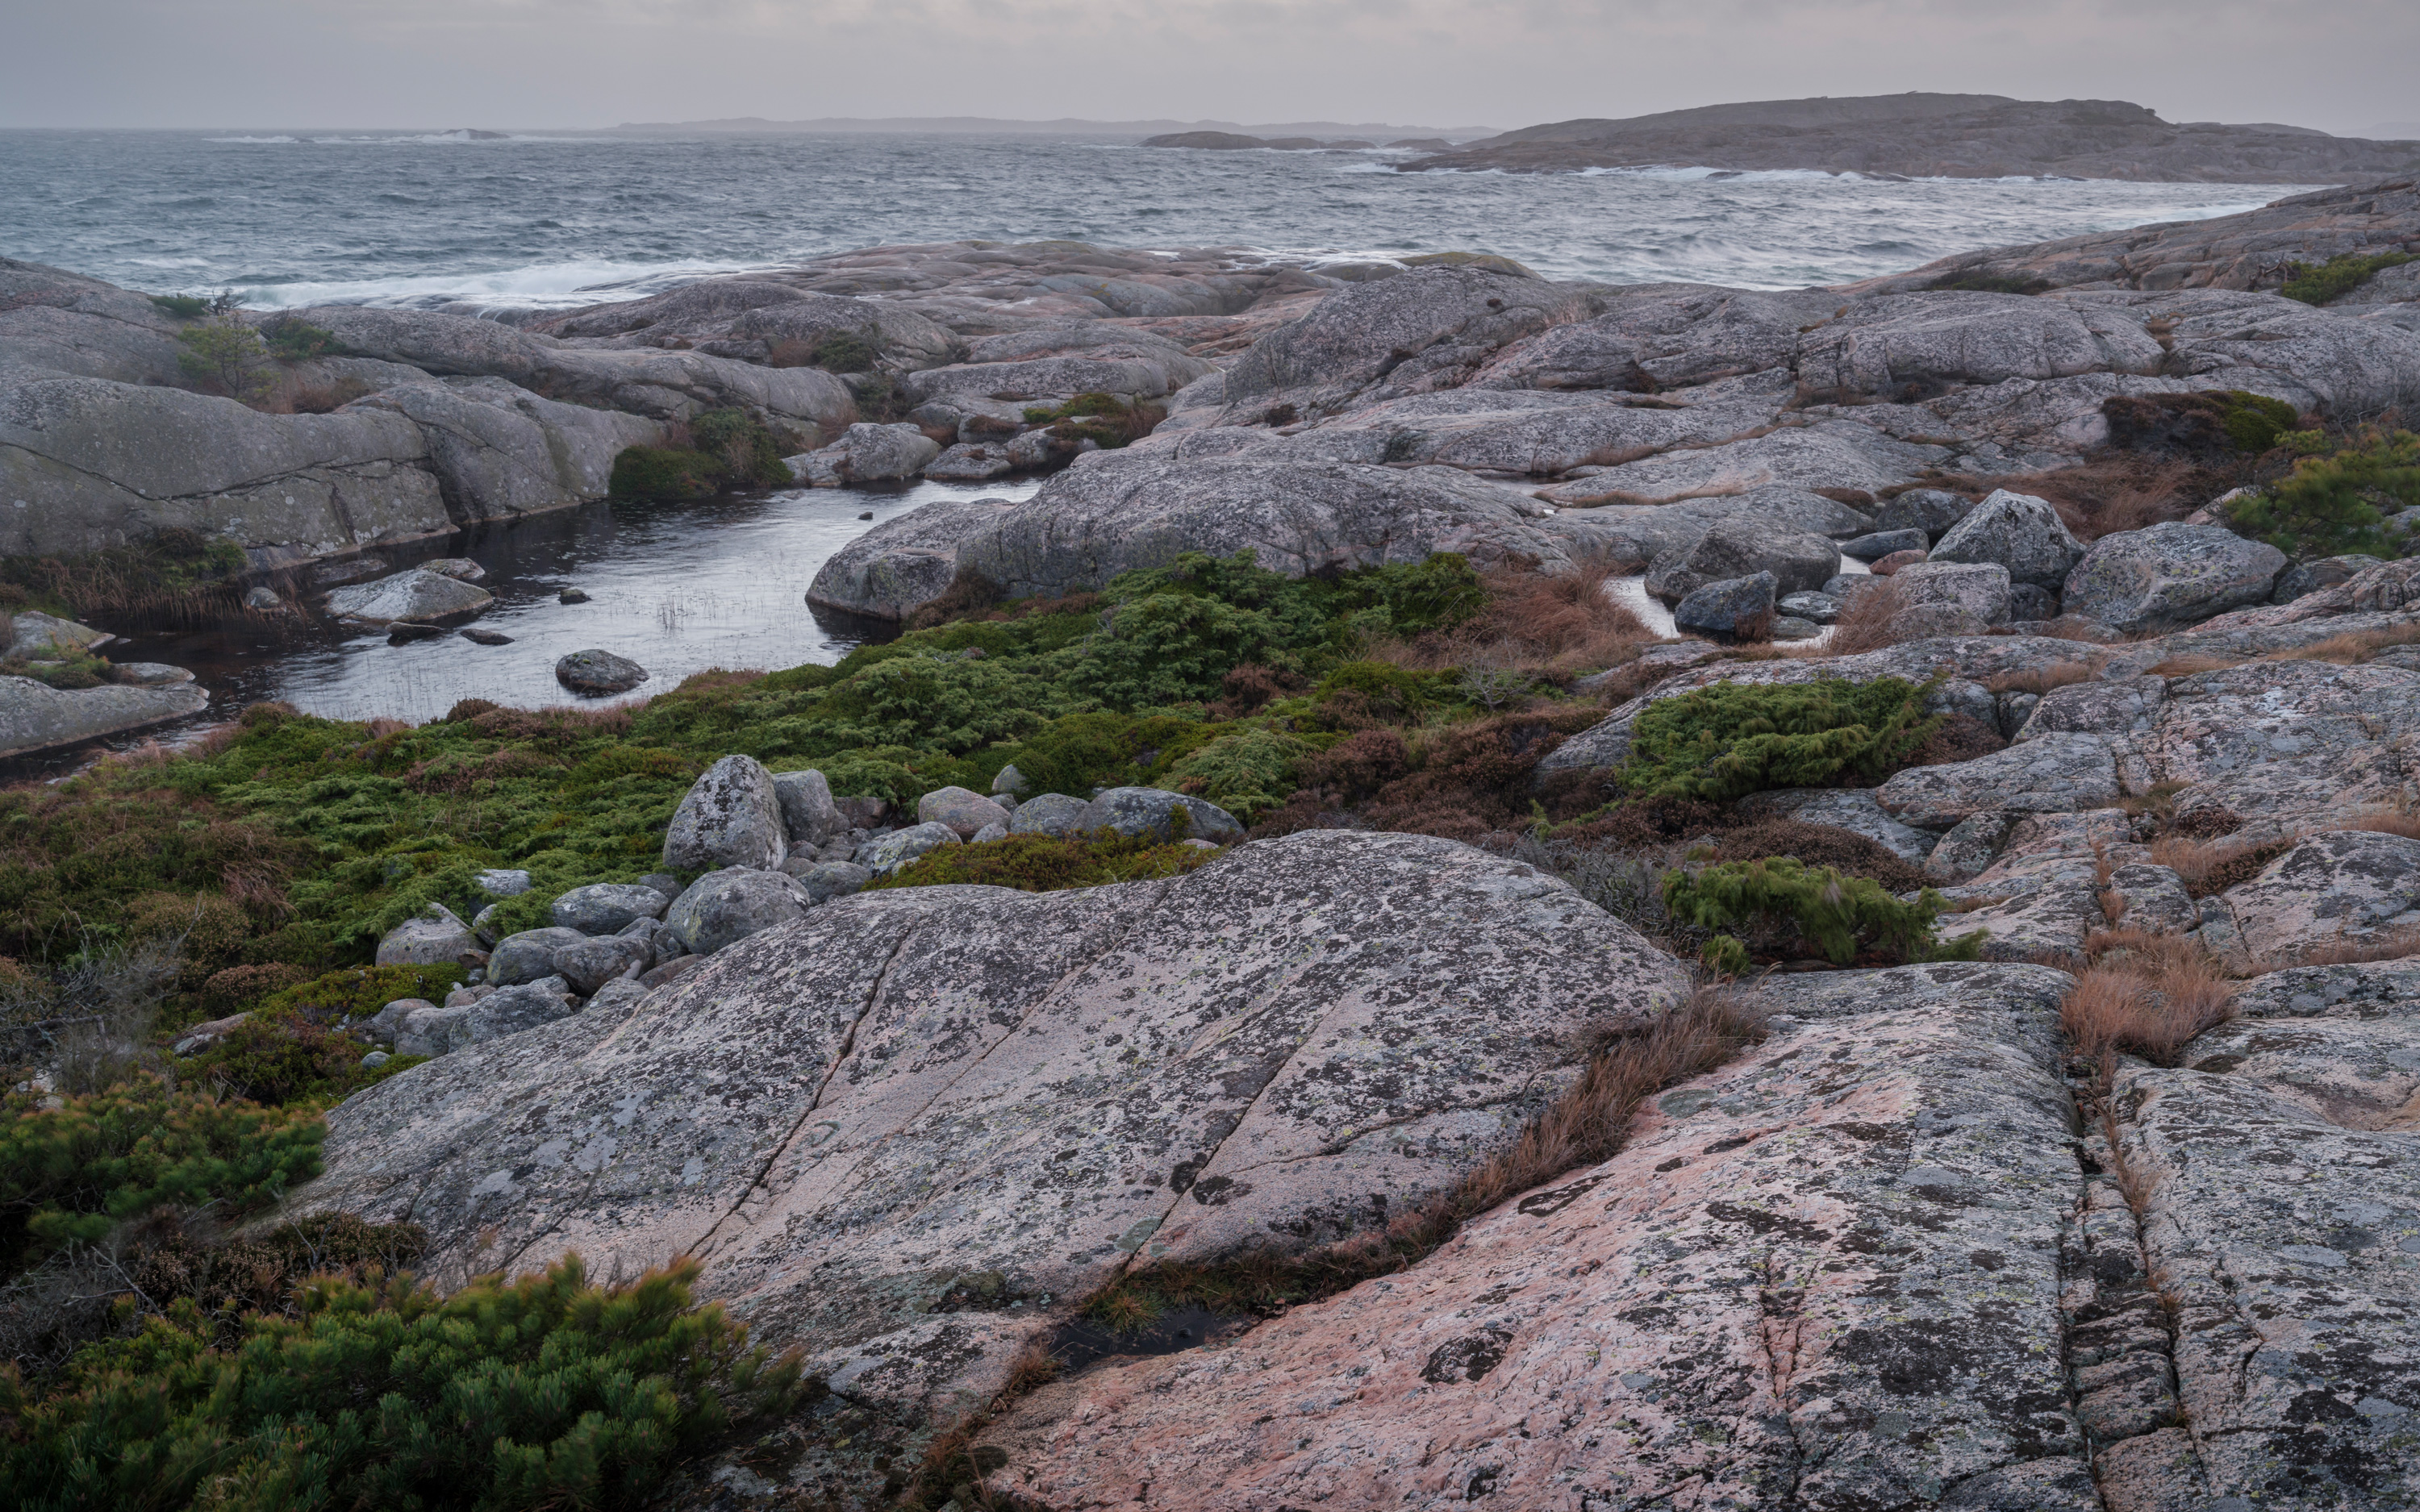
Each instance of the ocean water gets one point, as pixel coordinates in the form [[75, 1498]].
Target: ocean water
[[298, 217]]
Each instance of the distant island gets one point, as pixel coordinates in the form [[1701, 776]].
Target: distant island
[[1068, 126], [1941, 136]]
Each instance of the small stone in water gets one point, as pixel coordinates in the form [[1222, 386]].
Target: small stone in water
[[868, 514], [571, 595], [403, 630], [487, 638]]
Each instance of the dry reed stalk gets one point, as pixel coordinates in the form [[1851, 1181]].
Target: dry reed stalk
[[1864, 622], [2145, 994]]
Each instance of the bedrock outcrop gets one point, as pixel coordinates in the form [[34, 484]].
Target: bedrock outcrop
[[969, 1106]]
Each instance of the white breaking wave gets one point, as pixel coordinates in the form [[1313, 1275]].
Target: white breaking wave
[[543, 286]]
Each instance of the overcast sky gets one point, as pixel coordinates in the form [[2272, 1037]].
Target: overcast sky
[[2339, 65]]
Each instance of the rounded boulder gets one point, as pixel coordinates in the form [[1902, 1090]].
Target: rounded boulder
[[1158, 813], [723, 906], [606, 907], [964, 811], [730, 817], [598, 673], [2170, 574]]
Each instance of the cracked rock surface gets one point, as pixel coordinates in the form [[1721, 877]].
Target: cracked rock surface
[[983, 1103]]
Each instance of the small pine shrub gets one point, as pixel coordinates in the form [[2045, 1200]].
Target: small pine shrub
[[1049, 863], [71, 1174], [1103, 419], [223, 356], [545, 1392], [2329, 505], [2253, 421], [662, 474], [1244, 773], [844, 351], [181, 306], [1724, 742], [748, 453], [1779, 899], [296, 341], [359, 992], [2339, 276], [732, 450]]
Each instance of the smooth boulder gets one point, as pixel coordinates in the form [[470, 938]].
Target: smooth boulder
[[2169, 575], [809, 817], [1050, 813], [605, 907], [529, 956], [434, 936], [1739, 609], [419, 595], [598, 672], [723, 907], [1797, 560], [730, 817], [961, 808], [887, 854], [1158, 813]]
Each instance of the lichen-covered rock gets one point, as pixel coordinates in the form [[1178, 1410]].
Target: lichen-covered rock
[[1738, 608], [731, 816], [1048, 813], [905, 562], [1159, 813], [1877, 545], [1930, 510], [856, 1119], [809, 817], [2305, 579], [529, 956], [434, 936], [827, 880], [426, 1029], [2283, 746], [886, 853], [2052, 774], [2344, 887], [1850, 809], [866, 454], [723, 907], [605, 907], [593, 962], [1979, 591], [2367, 990], [2169, 575], [1825, 1275], [35, 716], [519, 1009], [2019, 531], [1798, 562], [961, 808]]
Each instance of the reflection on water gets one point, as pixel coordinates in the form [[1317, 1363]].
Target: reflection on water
[[677, 589]]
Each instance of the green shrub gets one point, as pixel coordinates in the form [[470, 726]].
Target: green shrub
[[1103, 419], [359, 992], [2339, 276], [747, 452], [71, 1174], [1047, 863], [844, 351], [2328, 505], [2253, 421], [1244, 773], [223, 356], [1724, 742], [288, 1058], [663, 474], [295, 341], [546, 1392], [181, 306], [1990, 284], [1783, 899], [72, 670]]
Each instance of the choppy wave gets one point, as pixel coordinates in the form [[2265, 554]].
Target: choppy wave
[[563, 221]]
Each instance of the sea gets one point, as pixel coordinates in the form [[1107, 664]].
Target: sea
[[450, 217], [485, 222]]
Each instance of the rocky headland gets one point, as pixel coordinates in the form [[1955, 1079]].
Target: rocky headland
[[1939, 136], [1365, 1022]]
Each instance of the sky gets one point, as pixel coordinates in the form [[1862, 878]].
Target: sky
[[2342, 65]]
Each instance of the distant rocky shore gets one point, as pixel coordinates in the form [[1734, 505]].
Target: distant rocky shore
[[1938, 136]]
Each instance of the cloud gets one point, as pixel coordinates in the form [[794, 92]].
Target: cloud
[[2337, 64]]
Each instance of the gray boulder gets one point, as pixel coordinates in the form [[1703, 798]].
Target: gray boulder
[[1930, 510], [419, 595], [1739, 608], [2169, 576], [888, 853], [382, 1027], [962, 809], [598, 674], [499, 451], [905, 562], [2049, 774], [517, 1010], [2031, 603], [1048, 813], [428, 1030], [2341, 888], [432, 937], [865, 453], [34, 636], [730, 817], [2020, 532], [606, 907], [1978, 592], [502, 882], [1158, 813], [1814, 607], [827, 880], [1741, 549], [1879, 544], [591, 964], [722, 906], [808, 814], [2305, 579], [1008, 781], [529, 956], [35, 716]]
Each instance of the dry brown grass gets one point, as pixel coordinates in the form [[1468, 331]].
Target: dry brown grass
[[2044, 679], [2143, 994], [1864, 622], [2350, 649], [2400, 944], [2115, 490], [1551, 625], [2387, 822], [2210, 867], [2186, 666]]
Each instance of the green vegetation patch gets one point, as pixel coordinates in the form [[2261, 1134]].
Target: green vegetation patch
[[173, 572], [728, 449], [1103, 419], [545, 1392], [2335, 503], [1779, 901], [1725, 741], [2339, 276]]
